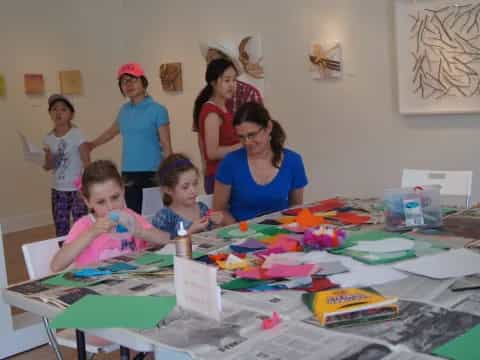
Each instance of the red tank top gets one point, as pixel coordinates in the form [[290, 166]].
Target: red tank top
[[227, 135]]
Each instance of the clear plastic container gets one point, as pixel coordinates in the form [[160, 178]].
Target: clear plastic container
[[408, 208]]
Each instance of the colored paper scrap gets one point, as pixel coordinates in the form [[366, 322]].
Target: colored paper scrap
[[161, 260], [271, 322], [233, 262], [61, 280], [289, 271], [99, 312], [241, 284]]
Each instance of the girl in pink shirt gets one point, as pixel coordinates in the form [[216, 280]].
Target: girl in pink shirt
[[92, 238]]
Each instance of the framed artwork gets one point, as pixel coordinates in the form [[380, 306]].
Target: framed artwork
[[34, 84], [70, 82], [438, 56], [3, 86], [171, 76], [325, 61]]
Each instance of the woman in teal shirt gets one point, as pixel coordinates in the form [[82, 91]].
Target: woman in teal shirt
[[145, 130]]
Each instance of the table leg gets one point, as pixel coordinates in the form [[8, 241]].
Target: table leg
[[124, 353], [81, 349]]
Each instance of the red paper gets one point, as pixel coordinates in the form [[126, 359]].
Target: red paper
[[271, 322]]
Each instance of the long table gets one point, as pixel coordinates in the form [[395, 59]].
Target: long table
[[239, 336]]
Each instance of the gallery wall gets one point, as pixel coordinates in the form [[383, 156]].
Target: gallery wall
[[349, 131]]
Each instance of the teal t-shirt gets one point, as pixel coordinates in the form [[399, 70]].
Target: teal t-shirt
[[139, 123]]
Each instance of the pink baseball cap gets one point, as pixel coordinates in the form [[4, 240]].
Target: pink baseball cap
[[133, 69]]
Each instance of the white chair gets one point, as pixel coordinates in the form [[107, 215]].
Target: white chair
[[21, 332], [151, 202], [206, 199], [37, 257], [452, 183]]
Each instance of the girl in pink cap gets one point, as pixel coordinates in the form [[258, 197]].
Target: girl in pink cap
[[144, 126]]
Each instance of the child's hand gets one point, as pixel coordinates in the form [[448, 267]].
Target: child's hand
[[137, 230], [199, 225], [48, 158], [216, 217], [103, 225]]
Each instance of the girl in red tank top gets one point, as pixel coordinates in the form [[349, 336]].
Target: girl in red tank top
[[211, 119]]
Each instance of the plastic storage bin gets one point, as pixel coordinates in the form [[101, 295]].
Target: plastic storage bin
[[407, 208]]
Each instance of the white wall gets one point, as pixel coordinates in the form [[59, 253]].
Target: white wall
[[349, 132]]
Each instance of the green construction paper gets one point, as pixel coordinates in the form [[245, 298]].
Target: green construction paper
[[421, 248], [101, 311], [59, 280], [463, 347], [161, 260], [254, 230], [239, 284], [449, 210]]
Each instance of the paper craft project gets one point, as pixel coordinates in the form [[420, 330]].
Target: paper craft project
[[70, 82], [100, 312], [464, 347], [31, 152], [325, 61], [3, 86], [448, 264], [34, 84]]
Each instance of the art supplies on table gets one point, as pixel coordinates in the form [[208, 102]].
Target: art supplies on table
[[323, 237], [448, 264], [380, 247], [342, 307], [408, 208], [99, 312]]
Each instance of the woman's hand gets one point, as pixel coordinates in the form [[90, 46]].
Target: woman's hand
[[216, 217]]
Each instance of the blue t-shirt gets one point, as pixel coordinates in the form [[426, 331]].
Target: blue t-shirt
[[169, 221], [139, 123], [249, 199]]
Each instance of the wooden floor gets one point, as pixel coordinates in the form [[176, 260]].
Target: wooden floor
[[16, 271]]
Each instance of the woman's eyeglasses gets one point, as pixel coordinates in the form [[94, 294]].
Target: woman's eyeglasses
[[250, 136], [128, 80]]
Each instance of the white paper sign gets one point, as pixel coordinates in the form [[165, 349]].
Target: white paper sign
[[196, 288]]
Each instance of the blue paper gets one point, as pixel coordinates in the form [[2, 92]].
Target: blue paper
[[91, 272]]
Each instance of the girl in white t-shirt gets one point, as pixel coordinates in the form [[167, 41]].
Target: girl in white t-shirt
[[66, 154]]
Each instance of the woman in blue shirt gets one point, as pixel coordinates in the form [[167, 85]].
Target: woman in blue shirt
[[145, 130], [263, 176]]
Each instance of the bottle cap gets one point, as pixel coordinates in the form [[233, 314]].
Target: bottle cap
[[181, 230]]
